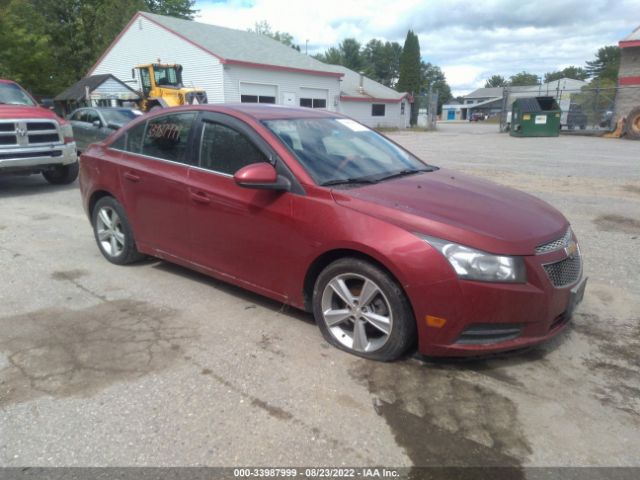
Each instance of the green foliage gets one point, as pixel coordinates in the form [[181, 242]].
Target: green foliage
[[577, 73], [433, 78], [49, 45], [495, 81], [263, 28], [523, 79], [350, 50], [23, 31], [172, 8], [333, 56], [410, 65], [606, 64], [382, 61]]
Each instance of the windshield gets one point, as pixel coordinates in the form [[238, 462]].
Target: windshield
[[12, 94], [339, 150], [167, 76], [120, 117]]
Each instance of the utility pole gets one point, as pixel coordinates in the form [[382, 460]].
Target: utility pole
[[306, 47]]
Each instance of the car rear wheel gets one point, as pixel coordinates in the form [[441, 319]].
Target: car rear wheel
[[62, 174], [113, 233], [361, 309]]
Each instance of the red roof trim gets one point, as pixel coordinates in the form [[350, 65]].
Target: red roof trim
[[629, 43], [625, 81], [347, 98], [285, 69]]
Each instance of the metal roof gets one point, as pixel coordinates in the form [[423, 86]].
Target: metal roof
[[237, 46], [77, 91], [635, 35], [371, 90]]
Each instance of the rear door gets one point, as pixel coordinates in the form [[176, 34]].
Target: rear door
[[153, 173], [81, 129]]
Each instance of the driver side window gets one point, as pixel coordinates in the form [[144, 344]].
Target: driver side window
[[225, 150]]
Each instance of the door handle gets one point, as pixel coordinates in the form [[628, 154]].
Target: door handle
[[200, 197], [132, 177]]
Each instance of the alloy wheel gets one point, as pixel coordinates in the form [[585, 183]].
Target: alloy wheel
[[356, 312], [110, 232]]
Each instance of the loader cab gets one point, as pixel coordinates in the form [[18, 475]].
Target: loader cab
[[156, 75]]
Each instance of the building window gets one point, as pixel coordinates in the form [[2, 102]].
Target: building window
[[402, 108], [313, 102], [257, 99], [378, 110]]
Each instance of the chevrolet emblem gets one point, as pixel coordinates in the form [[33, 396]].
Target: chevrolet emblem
[[571, 249]]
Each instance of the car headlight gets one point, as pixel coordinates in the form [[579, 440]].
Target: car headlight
[[472, 264]]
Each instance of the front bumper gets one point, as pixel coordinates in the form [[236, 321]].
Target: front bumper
[[483, 317], [34, 158]]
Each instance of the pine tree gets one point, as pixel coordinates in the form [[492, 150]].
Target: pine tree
[[410, 69]]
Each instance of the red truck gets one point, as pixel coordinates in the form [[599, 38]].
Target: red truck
[[34, 139]]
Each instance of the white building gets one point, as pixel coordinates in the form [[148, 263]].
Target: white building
[[238, 66]]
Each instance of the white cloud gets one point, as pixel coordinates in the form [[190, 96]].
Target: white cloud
[[469, 40]]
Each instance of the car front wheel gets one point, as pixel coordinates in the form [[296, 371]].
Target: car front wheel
[[361, 309], [113, 232]]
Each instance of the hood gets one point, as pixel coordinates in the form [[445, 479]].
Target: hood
[[10, 112], [460, 208]]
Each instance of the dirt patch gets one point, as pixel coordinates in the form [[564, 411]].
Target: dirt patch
[[63, 352], [69, 275], [618, 223], [269, 344], [441, 420], [272, 410], [632, 189], [615, 358]]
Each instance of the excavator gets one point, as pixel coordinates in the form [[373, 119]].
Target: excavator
[[161, 86]]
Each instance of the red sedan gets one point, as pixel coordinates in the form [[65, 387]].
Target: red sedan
[[318, 211]]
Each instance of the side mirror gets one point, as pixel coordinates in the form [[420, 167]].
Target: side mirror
[[97, 123], [113, 126], [261, 176]]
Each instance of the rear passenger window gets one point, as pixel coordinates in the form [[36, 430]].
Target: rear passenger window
[[226, 150], [167, 137]]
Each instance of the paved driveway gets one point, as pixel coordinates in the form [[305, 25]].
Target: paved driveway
[[155, 365]]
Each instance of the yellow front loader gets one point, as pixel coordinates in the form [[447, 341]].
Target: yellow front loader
[[161, 86]]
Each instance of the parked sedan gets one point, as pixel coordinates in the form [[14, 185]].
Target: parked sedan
[[318, 211], [95, 124]]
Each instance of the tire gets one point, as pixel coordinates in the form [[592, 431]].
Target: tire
[[381, 327], [63, 174], [113, 233], [632, 124]]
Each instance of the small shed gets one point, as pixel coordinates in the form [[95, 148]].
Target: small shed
[[95, 91], [535, 117]]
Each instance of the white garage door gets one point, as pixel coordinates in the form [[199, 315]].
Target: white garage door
[[258, 93]]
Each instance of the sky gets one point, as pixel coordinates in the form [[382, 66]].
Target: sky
[[470, 40]]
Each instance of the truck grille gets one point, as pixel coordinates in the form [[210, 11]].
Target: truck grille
[[565, 272], [25, 133]]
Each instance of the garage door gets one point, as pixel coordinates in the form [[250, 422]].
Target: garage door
[[258, 93], [313, 97]]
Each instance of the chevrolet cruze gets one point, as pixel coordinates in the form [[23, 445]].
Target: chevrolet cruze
[[318, 211]]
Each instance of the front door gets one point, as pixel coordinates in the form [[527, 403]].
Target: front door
[[235, 231]]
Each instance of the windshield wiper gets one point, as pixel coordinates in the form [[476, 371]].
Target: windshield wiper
[[343, 181], [402, 173]]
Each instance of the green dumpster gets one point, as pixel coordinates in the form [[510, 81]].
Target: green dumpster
[[535, 117]]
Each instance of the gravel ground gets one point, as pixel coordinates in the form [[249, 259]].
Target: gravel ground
[[153, 365]]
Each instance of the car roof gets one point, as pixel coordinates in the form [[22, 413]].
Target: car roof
[[261, 111]]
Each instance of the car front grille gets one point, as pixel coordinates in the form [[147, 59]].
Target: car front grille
[[555, 245], [565, 272], [25, 133]]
